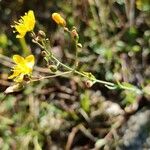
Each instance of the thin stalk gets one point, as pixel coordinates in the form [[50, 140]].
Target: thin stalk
[[52, 76], [76, 56], [24, 46], [82, 74], [40, 45], [50, 56]]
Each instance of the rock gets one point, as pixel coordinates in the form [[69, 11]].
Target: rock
[[136, 132]]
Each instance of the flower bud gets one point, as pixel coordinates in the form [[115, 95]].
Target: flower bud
[[88, 83], [66, 29], [43, 53], [59, 19], [75, 34], [41, 34], [79, 45]]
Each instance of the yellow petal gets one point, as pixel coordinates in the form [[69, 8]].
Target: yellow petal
[[19, 78], [18, 59], [21, 29], [30, 61], [15, 74], [31, 22], [19, 36], [25, 24]]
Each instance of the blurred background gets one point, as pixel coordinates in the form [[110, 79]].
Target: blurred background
[[63, 113]]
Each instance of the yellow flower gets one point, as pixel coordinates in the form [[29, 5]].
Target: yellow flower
[[59, 19], [25, 24], [24, 66]]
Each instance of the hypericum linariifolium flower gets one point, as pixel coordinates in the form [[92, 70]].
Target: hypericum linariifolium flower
[[24, 66], [25, 24], [59, 19]]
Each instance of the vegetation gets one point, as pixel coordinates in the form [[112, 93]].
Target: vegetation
[[72, 72]]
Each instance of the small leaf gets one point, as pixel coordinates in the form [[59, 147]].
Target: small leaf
[[85, 102], [5, 120], [128, 86], [36, 144]]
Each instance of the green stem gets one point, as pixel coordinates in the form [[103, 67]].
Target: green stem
[[52, 76], [76, 56], [82, 74], [110, 85], [45, 48], [24, 46], [40, 45]]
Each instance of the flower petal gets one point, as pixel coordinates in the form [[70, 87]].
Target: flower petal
[[25, 24], [31, 22], [18, 59], [30, 60], [15, 74], [19, 78]]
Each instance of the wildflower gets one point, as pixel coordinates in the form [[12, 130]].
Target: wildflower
[[59, 19], [24, 66], [25, 24]]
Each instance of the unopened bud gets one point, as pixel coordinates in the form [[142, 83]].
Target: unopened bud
[[66, 29], [88, 83], [59, 19], [43, 53], [41, 34], [79, 45], [75, 34]]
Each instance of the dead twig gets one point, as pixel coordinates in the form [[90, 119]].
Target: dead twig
[[71, 137]]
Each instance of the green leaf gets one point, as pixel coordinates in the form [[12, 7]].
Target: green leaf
[[3, 40], [128, 86], [85, 102], [143, 5], [129, 97], [36, 144]]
